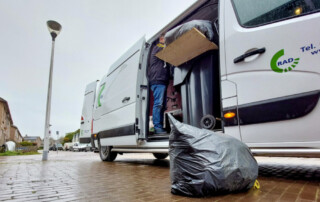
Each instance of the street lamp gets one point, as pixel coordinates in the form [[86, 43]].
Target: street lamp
[[54, 29]]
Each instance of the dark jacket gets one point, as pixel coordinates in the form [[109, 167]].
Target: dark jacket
[[158, 72]]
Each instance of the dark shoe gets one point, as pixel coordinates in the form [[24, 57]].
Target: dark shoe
[[151, 130], [159, 131]]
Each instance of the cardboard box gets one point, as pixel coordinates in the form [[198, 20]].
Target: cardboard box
[[188, 46]]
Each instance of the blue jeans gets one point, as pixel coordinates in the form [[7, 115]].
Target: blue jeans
[[159, 105]]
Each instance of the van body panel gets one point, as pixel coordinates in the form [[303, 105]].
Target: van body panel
[[130, 52], [142, 119], [222, 46], [291, 133], [115, 106], [87, 112], [229, 89], [263, 85], [274, 37], [287, 66], [233, 131], [123, 141]]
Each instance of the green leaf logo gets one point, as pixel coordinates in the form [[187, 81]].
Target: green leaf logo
[[100, 92], [276, 57]]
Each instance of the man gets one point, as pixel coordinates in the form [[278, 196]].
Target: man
[[159, 75]]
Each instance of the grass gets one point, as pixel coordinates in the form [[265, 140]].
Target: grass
[[17, 153]]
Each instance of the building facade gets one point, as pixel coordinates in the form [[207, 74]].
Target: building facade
[[15, 134], [5, 122], [33, 139]]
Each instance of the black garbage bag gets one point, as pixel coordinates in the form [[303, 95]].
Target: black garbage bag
[[204, 26], [204, 163]]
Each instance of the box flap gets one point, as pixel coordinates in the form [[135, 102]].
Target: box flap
[[188, 46]]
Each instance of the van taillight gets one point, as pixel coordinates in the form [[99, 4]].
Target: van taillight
[[81, 118], [92, 126]]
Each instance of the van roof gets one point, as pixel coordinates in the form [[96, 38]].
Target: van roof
[[179, 18]]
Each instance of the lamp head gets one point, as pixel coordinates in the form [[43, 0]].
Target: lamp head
[[54, 28]]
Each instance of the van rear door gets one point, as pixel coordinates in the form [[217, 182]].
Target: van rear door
[[87, 111], [272, 51], [115, 107]]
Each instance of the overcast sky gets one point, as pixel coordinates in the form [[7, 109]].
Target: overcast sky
[[94, 34]]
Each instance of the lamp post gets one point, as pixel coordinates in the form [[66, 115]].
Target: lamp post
[[54, 29]]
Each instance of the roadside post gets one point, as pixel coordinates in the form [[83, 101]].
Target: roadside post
[[57, 133]]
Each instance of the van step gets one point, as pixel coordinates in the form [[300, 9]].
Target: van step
[[141, 150], [158, 136], [295, 152]]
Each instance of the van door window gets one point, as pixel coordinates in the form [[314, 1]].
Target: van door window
[[265, 12]]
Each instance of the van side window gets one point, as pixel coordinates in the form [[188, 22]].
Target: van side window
[[252, 13]]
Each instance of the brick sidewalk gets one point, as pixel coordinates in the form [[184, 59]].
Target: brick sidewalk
[[69, 176]]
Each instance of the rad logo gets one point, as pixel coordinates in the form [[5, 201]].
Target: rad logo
[[283, 65]]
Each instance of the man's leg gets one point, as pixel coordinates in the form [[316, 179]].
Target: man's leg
[[164, 105], [159, 94]]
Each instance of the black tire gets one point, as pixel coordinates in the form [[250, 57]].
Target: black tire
[[106, 154], [160, 155]]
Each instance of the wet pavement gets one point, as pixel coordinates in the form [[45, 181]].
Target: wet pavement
[[80, 176]]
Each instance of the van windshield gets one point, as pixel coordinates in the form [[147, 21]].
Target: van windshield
[[252, 13]]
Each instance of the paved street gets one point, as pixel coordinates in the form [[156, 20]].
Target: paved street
[[80, 176]]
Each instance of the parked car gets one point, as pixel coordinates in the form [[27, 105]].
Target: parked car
[[88, 147], [52, 148], [82, 147], [68, 146], [55, 147], [59, 146], [75, 146], [79, 147]]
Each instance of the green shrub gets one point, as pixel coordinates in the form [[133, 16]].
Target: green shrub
[[15, 153], [24, 143]]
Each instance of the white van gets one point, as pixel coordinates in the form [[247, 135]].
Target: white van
[[87, 111], [261, 86]]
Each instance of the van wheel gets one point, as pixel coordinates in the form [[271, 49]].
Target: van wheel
[[160, 155], [106, 154]]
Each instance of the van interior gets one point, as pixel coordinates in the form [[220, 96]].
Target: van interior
[[193, 93]]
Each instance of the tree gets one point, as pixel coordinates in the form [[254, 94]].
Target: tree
[[66, 140], [69, 136]]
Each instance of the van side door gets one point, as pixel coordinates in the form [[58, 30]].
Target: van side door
[[115, 107], [272, 51]]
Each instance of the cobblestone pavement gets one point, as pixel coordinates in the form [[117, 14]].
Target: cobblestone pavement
[[80, 176]]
